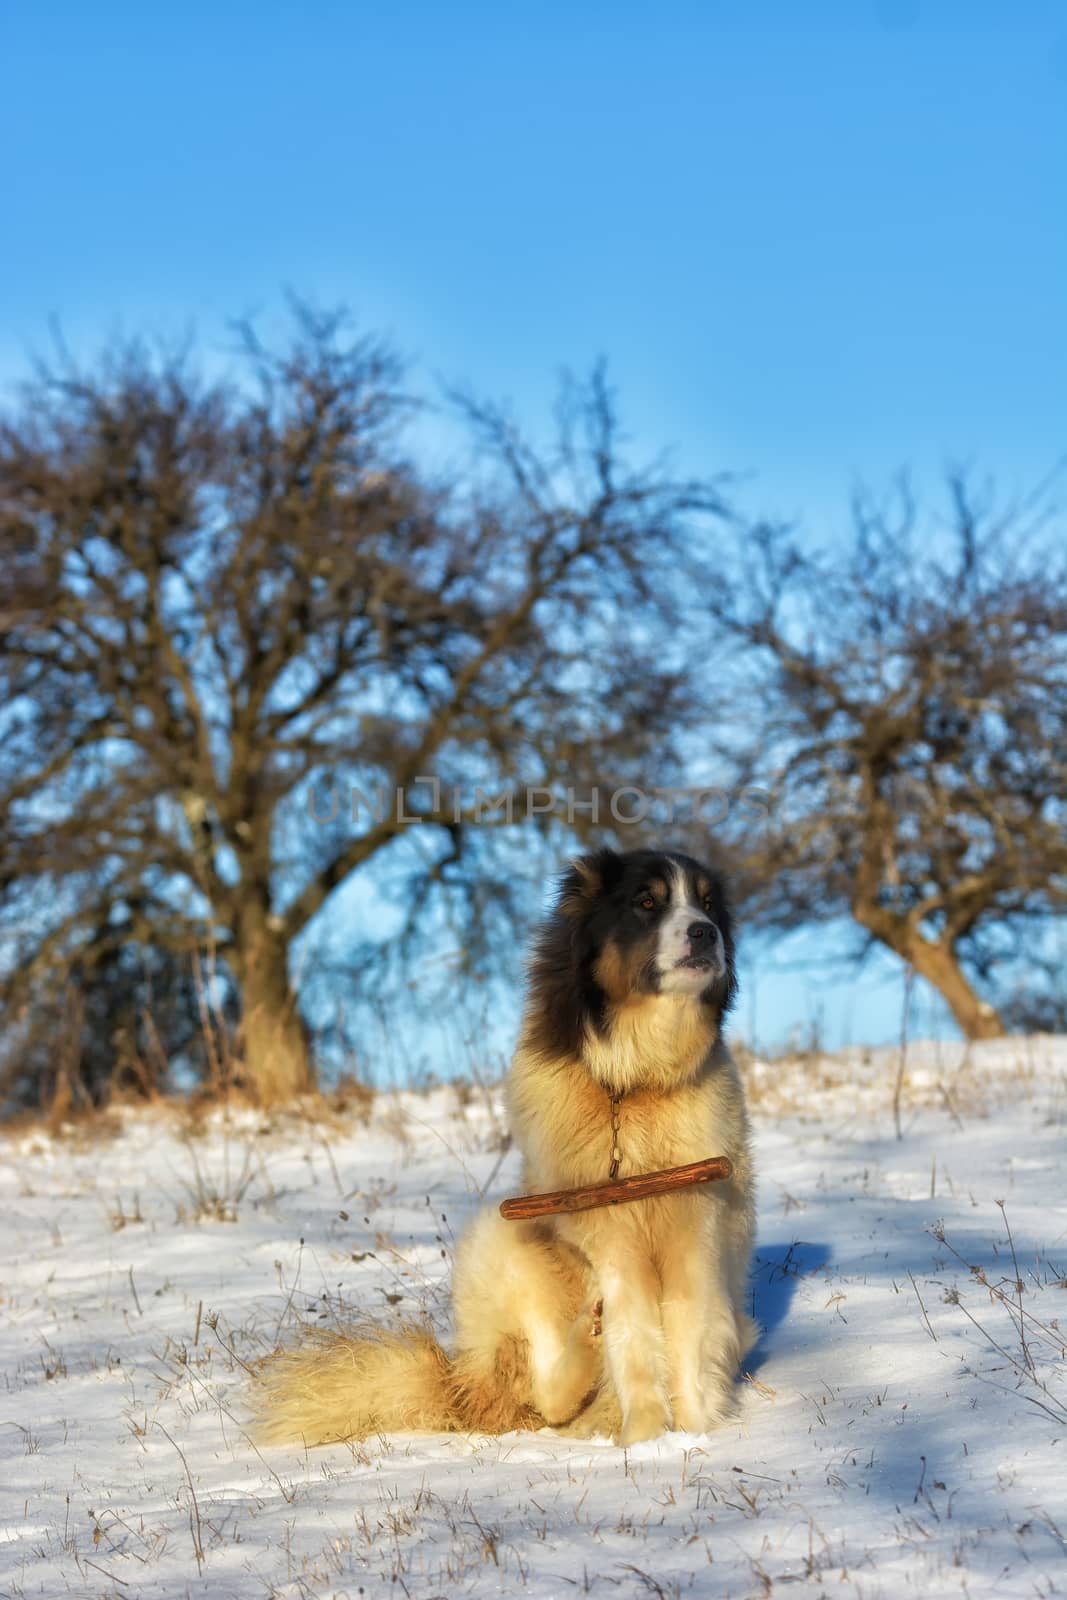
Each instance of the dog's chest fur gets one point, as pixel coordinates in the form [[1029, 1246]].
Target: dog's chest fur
[[561, 1117], [653, 1042]]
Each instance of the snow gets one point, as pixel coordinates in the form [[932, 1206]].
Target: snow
[[893, 1438]]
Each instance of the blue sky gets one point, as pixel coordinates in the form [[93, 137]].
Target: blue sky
[[815, 242]]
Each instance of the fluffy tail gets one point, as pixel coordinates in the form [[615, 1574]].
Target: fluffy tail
[[337, 1386]]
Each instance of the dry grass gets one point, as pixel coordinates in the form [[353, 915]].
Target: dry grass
[[953, 1076]]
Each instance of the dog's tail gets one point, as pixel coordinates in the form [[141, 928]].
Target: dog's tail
[[337, 1386]]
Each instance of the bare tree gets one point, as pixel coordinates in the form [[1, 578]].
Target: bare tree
[[224, 599], [903, 702]]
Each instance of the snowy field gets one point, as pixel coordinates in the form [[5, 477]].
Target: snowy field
[[902, 1430]]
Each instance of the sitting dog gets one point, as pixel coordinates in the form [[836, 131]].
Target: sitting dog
[[626, 1319]]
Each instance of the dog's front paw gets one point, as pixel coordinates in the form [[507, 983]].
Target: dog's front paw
[[691, 1417], [703, 1409], [644, 1421]]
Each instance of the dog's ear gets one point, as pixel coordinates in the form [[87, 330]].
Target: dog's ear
[[585, 878]]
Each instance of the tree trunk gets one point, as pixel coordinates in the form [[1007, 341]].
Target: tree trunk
[[275, 1044], [977, 1019]]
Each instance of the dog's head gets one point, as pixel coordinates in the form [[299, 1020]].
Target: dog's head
[[629, 926]]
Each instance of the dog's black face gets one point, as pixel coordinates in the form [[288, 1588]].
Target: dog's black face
[[625, 926]]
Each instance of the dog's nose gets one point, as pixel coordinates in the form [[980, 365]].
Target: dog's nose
[[700, 933]]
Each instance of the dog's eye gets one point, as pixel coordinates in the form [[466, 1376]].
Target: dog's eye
[[706, 902], [647, 903]]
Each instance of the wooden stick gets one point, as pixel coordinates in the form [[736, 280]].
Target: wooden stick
[[639, 1187]]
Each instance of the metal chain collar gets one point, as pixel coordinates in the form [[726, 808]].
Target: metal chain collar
[[616, 1153]]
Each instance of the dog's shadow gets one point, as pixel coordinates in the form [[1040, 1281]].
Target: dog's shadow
[[777, 1267]]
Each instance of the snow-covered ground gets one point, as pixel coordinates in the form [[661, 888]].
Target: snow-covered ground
[[900, 1432]]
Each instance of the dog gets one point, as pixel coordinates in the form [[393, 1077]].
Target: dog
[[628, 1319]]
